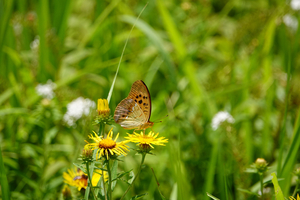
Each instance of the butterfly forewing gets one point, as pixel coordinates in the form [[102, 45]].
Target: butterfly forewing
[[134, 111], [140, 94]]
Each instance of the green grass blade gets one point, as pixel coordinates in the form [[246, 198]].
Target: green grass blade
[[278, 192], [290, 159], [113, 83], [43, 16], [186, 62], [3, 180], [157, 42], [211, 196], [6, 6], [211, 170], [98, 22]]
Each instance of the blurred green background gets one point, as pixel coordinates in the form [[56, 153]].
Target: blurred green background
[[196, 57]]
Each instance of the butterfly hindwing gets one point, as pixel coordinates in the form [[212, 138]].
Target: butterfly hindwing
[[129, 114]]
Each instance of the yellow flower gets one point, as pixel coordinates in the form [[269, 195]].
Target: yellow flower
[[146, 141], [78, 179], [108, 147], [293, 198], [66, 193], [75, 178], [102, 108]]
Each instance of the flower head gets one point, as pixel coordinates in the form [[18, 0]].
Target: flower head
[[261, 165], [295, 4], [77, 108], [87, 154], [102, 107], [293, 198], [77, 178], [221, 117], [46, 90], [291, 22], [145, 142], [66, 193], [107, 147]]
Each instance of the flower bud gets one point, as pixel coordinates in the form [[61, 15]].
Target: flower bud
[[261, 165], [66, 192]]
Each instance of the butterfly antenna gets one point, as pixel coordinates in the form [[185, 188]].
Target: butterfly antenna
[[159, 120]]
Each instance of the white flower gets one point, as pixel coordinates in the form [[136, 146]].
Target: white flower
[[221, 117], [295, 4], [46, 90], [290, 21], [34, 45], [77, 108]]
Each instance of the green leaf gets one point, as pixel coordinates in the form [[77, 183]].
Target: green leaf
[[3, 179], [278, 192], [114, 170], [120, 175], [211, 196], [113, 83], [138, 196], [131, 177], [80, 167]]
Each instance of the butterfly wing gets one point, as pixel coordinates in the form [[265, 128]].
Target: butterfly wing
[[129, 114], [141, 96]]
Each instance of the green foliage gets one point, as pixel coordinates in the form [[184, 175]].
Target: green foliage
[[197, 58]]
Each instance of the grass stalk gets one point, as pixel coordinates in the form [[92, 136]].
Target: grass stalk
[[137, 174], [90, 176]]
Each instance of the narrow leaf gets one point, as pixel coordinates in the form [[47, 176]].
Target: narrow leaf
[[278, 192]]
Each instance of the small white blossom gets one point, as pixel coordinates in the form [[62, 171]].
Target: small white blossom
[[295, 4], [221, 117], [46, 90], [77, 108], [34, 45], [290, 21]]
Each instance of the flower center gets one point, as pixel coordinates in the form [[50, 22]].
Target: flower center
[[146, 139], [107, 144]]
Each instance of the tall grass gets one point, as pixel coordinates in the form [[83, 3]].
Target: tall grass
[[197, 58]]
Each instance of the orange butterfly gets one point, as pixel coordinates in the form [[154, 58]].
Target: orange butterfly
[[134, 111]]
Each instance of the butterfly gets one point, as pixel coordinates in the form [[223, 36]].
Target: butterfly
[[134, 111]]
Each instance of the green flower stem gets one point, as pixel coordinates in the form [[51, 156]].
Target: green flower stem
[[296, 188], [138, 172], [109, 179], [261, 185], [103, 179], [101, 132], [90, 179], [101, 129]]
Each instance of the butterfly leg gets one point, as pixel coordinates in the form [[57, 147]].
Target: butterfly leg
[[152, 130]]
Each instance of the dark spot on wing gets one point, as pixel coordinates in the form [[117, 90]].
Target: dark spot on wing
[[144, 104], [140, 95], [123, 115], [135, 100], [144, 97], [140, 101], [137, 96]]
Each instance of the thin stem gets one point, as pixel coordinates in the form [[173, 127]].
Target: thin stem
[[103, 179], [101, 129], [261, 185], [138, 172], [296, 188], [109, 179], [90, 178]]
